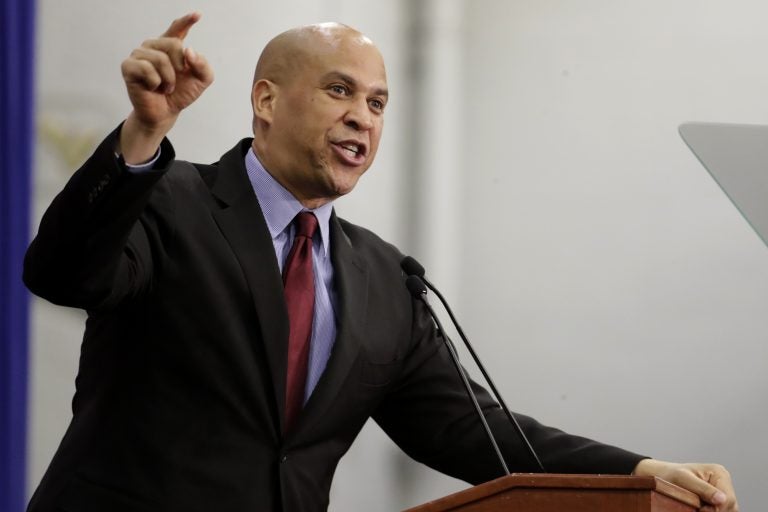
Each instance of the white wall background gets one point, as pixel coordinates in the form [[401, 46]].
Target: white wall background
[[531, 161]]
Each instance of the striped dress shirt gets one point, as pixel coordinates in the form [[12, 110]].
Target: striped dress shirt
[[280, 207]]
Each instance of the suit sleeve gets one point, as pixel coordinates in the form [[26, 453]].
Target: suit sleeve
[[431, 418], [94, 248]]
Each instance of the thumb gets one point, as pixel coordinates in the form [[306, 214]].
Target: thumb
[[703, 489]]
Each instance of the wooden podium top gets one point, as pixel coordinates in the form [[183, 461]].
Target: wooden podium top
[[529, 491]]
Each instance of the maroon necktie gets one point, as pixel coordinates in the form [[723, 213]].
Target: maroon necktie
[[299, 287]]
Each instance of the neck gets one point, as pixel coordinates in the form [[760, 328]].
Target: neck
[[307, 201]]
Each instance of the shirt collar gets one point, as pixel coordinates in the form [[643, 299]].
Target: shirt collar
[[279, 205]]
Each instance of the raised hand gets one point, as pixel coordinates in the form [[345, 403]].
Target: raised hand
[[162, 78]]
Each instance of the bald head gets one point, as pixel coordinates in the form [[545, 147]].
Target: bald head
[[318, 100], [287, 52]]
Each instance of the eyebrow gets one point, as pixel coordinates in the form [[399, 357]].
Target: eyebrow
[[338, 75]]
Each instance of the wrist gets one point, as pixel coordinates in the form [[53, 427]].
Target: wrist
[[647, 467], [138, 143]]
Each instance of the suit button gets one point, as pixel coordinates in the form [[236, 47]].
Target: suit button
[[284, 458]]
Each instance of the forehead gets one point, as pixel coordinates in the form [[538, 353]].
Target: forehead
[[354, 57]]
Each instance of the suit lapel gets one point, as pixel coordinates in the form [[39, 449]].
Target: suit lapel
[[242, 223], [351, 280]]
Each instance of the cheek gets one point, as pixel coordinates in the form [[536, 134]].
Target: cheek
[[305, 137], [375, 139]]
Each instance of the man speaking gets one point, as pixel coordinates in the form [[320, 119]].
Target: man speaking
[[239, 334]]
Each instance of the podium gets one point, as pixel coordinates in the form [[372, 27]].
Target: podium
[[568, 493]]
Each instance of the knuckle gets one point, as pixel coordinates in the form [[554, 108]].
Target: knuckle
[[153, 82], [162, 59], [172, 43], [718, 469], [149, 73]]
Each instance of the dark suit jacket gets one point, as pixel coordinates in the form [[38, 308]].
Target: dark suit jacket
[[179, 401]]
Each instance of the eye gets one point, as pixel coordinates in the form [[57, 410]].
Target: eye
[[341, 90], [377, 105]]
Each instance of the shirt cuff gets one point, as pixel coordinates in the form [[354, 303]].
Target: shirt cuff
[[137, 169]]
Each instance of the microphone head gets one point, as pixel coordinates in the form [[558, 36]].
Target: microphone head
[[412, 267], [416, 286]]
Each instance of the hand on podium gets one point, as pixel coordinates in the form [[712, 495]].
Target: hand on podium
[[711, 482]]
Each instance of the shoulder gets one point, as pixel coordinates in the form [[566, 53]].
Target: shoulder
[[182, 174], [380, 259], [228, 175], [369, 244]]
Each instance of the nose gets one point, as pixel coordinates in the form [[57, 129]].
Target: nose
[[359, 116]]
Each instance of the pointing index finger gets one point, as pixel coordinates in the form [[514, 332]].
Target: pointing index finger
[[180, 26]]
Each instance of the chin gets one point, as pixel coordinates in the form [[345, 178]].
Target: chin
[[344, 187], [342, 191]]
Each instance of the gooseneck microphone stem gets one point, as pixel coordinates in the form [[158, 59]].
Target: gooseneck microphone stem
[[419, 291], [487, 377], [414, 268]]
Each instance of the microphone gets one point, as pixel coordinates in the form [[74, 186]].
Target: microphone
[[417, 288], [414, 269]]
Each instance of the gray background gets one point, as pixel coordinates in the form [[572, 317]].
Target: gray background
[[531, 161]]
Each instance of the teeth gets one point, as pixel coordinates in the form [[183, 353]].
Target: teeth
[[352, 148]]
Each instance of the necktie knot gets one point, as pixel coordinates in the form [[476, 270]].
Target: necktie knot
[[306, 224]]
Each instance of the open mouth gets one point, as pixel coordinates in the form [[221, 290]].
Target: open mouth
[[351, 149]]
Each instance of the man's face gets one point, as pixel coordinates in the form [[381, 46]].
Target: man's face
[[327, 121]]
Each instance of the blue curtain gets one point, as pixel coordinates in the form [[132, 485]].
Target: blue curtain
[[17, 23]]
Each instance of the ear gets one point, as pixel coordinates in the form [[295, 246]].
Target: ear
[[263, 99]]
